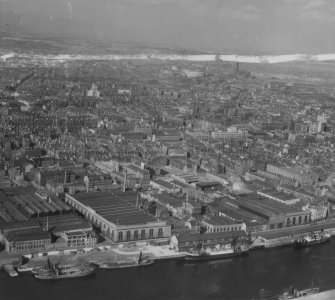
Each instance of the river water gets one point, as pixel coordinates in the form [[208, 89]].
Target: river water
[[239, 278]]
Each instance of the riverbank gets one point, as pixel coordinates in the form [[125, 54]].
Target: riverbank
[[241, 278], [108, 255], [327, 295], [287, 236], [106, 252]]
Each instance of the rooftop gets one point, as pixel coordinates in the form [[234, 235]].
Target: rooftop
[[27, 235], [114, 207]]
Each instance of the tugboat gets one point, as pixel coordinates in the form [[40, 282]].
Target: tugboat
[[312, 239], [140, 262], [65, 271], [224, 252], [293, 293]]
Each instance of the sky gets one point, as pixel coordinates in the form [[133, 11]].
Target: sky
[[225, 26]]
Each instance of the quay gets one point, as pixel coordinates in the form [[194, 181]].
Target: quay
[[326, 295], [286, 236]]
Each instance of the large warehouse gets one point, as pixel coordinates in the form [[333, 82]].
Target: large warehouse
[[116, 215], [277, 214]]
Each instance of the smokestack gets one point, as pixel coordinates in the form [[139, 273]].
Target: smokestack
[[137, 201], [237, 67], [125, 181]]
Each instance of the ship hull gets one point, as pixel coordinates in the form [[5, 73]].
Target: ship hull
[[64, 276], [299, 245], [189, 257], [126, 265]]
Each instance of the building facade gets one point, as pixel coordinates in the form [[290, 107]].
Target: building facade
[[121, 227]]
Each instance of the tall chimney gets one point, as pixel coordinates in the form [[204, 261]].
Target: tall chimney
[[125, 181], [137, 200]]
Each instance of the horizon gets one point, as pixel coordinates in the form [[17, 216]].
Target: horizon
[[263, 27]]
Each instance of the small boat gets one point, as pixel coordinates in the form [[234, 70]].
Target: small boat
[[41, 269], [140, 262], [9, 269], [65, 271], [224, 252], [293, 293], [24, 268], [312, 239]]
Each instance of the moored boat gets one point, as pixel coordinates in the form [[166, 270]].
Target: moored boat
[[24, 268], [224, 252], [293, 293], [65, 271], [9, 269], [312, 239], [140, 262]]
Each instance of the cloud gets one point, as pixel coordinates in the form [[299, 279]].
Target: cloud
[[319, 11], [317, 16], [314, 4]]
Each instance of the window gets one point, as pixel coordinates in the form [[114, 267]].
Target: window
[[293, 220], [306, 219], [135, 234], [151, 233], [143, 234], [160, 232], [300, 220], [128, 235], [120, 236]]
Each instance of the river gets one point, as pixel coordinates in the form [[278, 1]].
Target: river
[[240, 278]]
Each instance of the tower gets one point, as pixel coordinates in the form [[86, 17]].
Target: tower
[[237, 69]]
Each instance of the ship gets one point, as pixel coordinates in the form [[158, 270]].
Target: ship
[[9, 269], [224, 252], [24, 268], [312, 239], [140, 262], [41, 269], [293, 293], [65, 271]]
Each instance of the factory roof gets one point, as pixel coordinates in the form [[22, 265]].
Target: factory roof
[[277, 194], [115, 207], [26, 224], [27, 235], [64, 223], [216, 220], [265, 206]]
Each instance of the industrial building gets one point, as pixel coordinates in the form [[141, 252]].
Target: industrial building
[[118, 218], [35, 206], [277, 214], [214, 223], [189, 242], [24, 236]]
